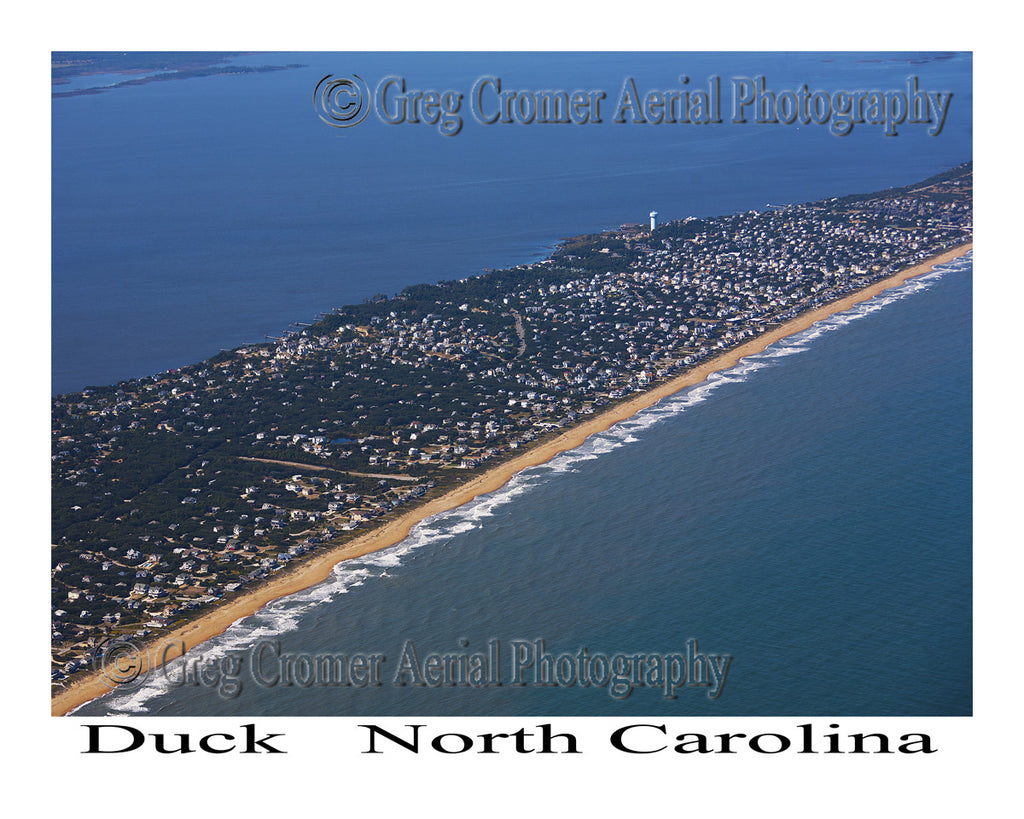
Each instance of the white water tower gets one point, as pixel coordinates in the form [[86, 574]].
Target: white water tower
[[654, 220]]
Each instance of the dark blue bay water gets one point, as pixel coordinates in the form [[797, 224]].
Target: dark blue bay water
[[807, 513], [195, 215]]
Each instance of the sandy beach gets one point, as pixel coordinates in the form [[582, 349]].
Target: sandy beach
[[318, 568]]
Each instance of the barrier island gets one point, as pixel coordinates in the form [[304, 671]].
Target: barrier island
[[188, 499]]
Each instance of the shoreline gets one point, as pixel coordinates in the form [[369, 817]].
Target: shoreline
[[318, 568]]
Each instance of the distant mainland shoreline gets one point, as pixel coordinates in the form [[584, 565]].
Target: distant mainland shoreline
[[152, 66]]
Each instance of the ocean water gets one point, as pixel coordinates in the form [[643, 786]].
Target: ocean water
[[806, 513], [195, 215]]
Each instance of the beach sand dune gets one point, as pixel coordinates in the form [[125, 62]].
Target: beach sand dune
[[318, 568]]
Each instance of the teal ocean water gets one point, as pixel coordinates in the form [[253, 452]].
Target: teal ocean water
[[805, 517], [195, 215], [806, 514]]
